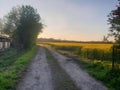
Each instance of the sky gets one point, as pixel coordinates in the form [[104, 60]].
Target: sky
[[80, 20]]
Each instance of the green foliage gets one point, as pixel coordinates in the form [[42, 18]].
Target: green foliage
[[23, 26], [8, 58], [113, 78], [98, 70], [114, 21], [109, 77], [1, 25], [10, 75]]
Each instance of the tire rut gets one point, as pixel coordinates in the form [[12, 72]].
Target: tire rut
[[61, 79]]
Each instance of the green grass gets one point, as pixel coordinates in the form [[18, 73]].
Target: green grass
[[13, 66], [101, 70], [61, 79], [8, 58]]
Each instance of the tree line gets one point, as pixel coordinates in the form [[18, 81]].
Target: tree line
[[22, 24]]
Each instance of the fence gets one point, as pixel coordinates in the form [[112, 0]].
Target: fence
[[115, 56], [112, 54]]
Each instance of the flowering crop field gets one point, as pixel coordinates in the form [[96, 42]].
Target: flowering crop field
[[86, 50], [84, 45]]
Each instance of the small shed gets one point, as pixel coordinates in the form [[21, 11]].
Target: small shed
[[4, 43]]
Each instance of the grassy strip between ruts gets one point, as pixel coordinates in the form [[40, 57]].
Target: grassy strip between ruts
[[9, 76], [61, 79]]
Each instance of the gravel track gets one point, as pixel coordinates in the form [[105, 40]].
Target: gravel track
[[80, 77], [38, 75]]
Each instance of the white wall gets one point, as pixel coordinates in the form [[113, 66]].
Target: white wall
[[1, 45], [4, 45]]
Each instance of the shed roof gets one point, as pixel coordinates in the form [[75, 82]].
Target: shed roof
[[4, 38]]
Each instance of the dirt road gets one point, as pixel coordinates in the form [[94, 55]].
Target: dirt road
[[38, 75], [80, 77], [41, 74]]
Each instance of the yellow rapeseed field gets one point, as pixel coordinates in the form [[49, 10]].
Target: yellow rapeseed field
[[84, 45]]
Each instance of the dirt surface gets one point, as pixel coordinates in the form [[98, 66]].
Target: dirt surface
[[61, 80], [80, 77], [40, 77]]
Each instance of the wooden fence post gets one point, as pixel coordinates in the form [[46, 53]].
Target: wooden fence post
[[113, 57]]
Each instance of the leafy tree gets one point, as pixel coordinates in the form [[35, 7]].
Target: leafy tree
[[23, 26], [11, 21], [1, 26], [114, 21]]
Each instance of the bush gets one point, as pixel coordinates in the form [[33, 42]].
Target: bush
[[112, 79]]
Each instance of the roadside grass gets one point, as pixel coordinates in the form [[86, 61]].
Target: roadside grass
[[11, 67], [7, 58], [100, 70], [104, 73], [61, 79]]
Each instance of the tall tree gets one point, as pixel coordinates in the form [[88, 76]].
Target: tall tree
[[12, 21], [114, 21], [23, 25], [1, 26]]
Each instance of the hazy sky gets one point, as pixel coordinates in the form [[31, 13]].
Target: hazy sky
[[69, 19]]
